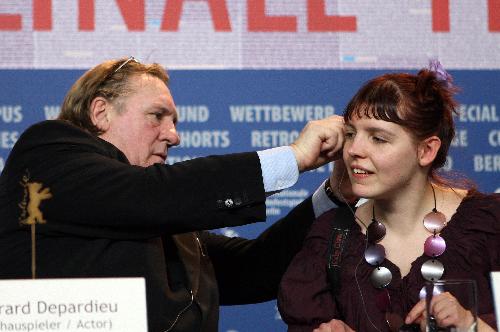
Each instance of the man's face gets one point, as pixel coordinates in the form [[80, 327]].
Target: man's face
[[145, 125]]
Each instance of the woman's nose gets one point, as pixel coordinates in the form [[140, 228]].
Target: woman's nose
[[355, 147]]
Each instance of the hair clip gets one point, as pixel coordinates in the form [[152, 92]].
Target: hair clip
[[130, 58], [441, 74]]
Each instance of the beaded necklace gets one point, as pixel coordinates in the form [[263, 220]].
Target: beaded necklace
[[434, 246]]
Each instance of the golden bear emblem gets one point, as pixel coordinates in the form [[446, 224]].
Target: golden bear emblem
[[36, 196]]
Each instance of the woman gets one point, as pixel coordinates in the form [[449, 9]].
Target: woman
[[398, 131]]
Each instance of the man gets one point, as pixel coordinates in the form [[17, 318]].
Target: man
[[108, 206]]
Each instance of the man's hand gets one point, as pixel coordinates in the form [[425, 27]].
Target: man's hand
[[320, 142], [341, 184]]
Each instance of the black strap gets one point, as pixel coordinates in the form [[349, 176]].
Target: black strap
[[341, 223]]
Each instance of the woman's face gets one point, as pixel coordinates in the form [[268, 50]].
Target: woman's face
[[381, 157]]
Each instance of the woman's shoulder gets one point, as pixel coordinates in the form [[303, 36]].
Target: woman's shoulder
[[483, 200], [460, 197], [479, 211]]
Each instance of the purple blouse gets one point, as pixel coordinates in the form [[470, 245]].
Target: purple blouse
[[473, 250]]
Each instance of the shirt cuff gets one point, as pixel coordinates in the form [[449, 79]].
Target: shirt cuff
[[279, 168], [321, 202]]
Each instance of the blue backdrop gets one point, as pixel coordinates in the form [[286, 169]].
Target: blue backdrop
[[224, 111]]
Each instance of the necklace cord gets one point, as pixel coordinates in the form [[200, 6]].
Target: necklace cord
[[360, 291], [434, 195]]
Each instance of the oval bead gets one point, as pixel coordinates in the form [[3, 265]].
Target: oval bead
[[436, 290], [375, 254], [375, 231], [380, 277], [434, 222], [434, 246], [432, 270]]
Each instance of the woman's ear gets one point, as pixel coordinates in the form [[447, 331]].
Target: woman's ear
[[428, 149], [99, 113]]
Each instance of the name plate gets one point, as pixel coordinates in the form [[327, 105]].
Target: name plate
[[495, 281], [91, 304]]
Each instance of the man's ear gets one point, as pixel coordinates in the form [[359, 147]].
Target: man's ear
[[428, 149], [99, 113]]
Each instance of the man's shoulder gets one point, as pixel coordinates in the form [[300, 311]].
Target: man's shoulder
[[59, 135], [54, 128]]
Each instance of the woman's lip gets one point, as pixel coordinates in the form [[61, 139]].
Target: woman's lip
[[360, 176], [353, 167]]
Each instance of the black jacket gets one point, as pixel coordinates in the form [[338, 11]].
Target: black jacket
[[107, 218]]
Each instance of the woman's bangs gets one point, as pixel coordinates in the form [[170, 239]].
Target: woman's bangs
[[379, 111]]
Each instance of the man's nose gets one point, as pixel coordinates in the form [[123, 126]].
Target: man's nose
[[170, 135]]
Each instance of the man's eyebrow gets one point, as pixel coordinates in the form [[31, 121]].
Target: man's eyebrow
[[170, 111], [164, 110]]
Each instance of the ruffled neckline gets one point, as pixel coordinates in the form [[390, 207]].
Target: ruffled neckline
[[458, 226]]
